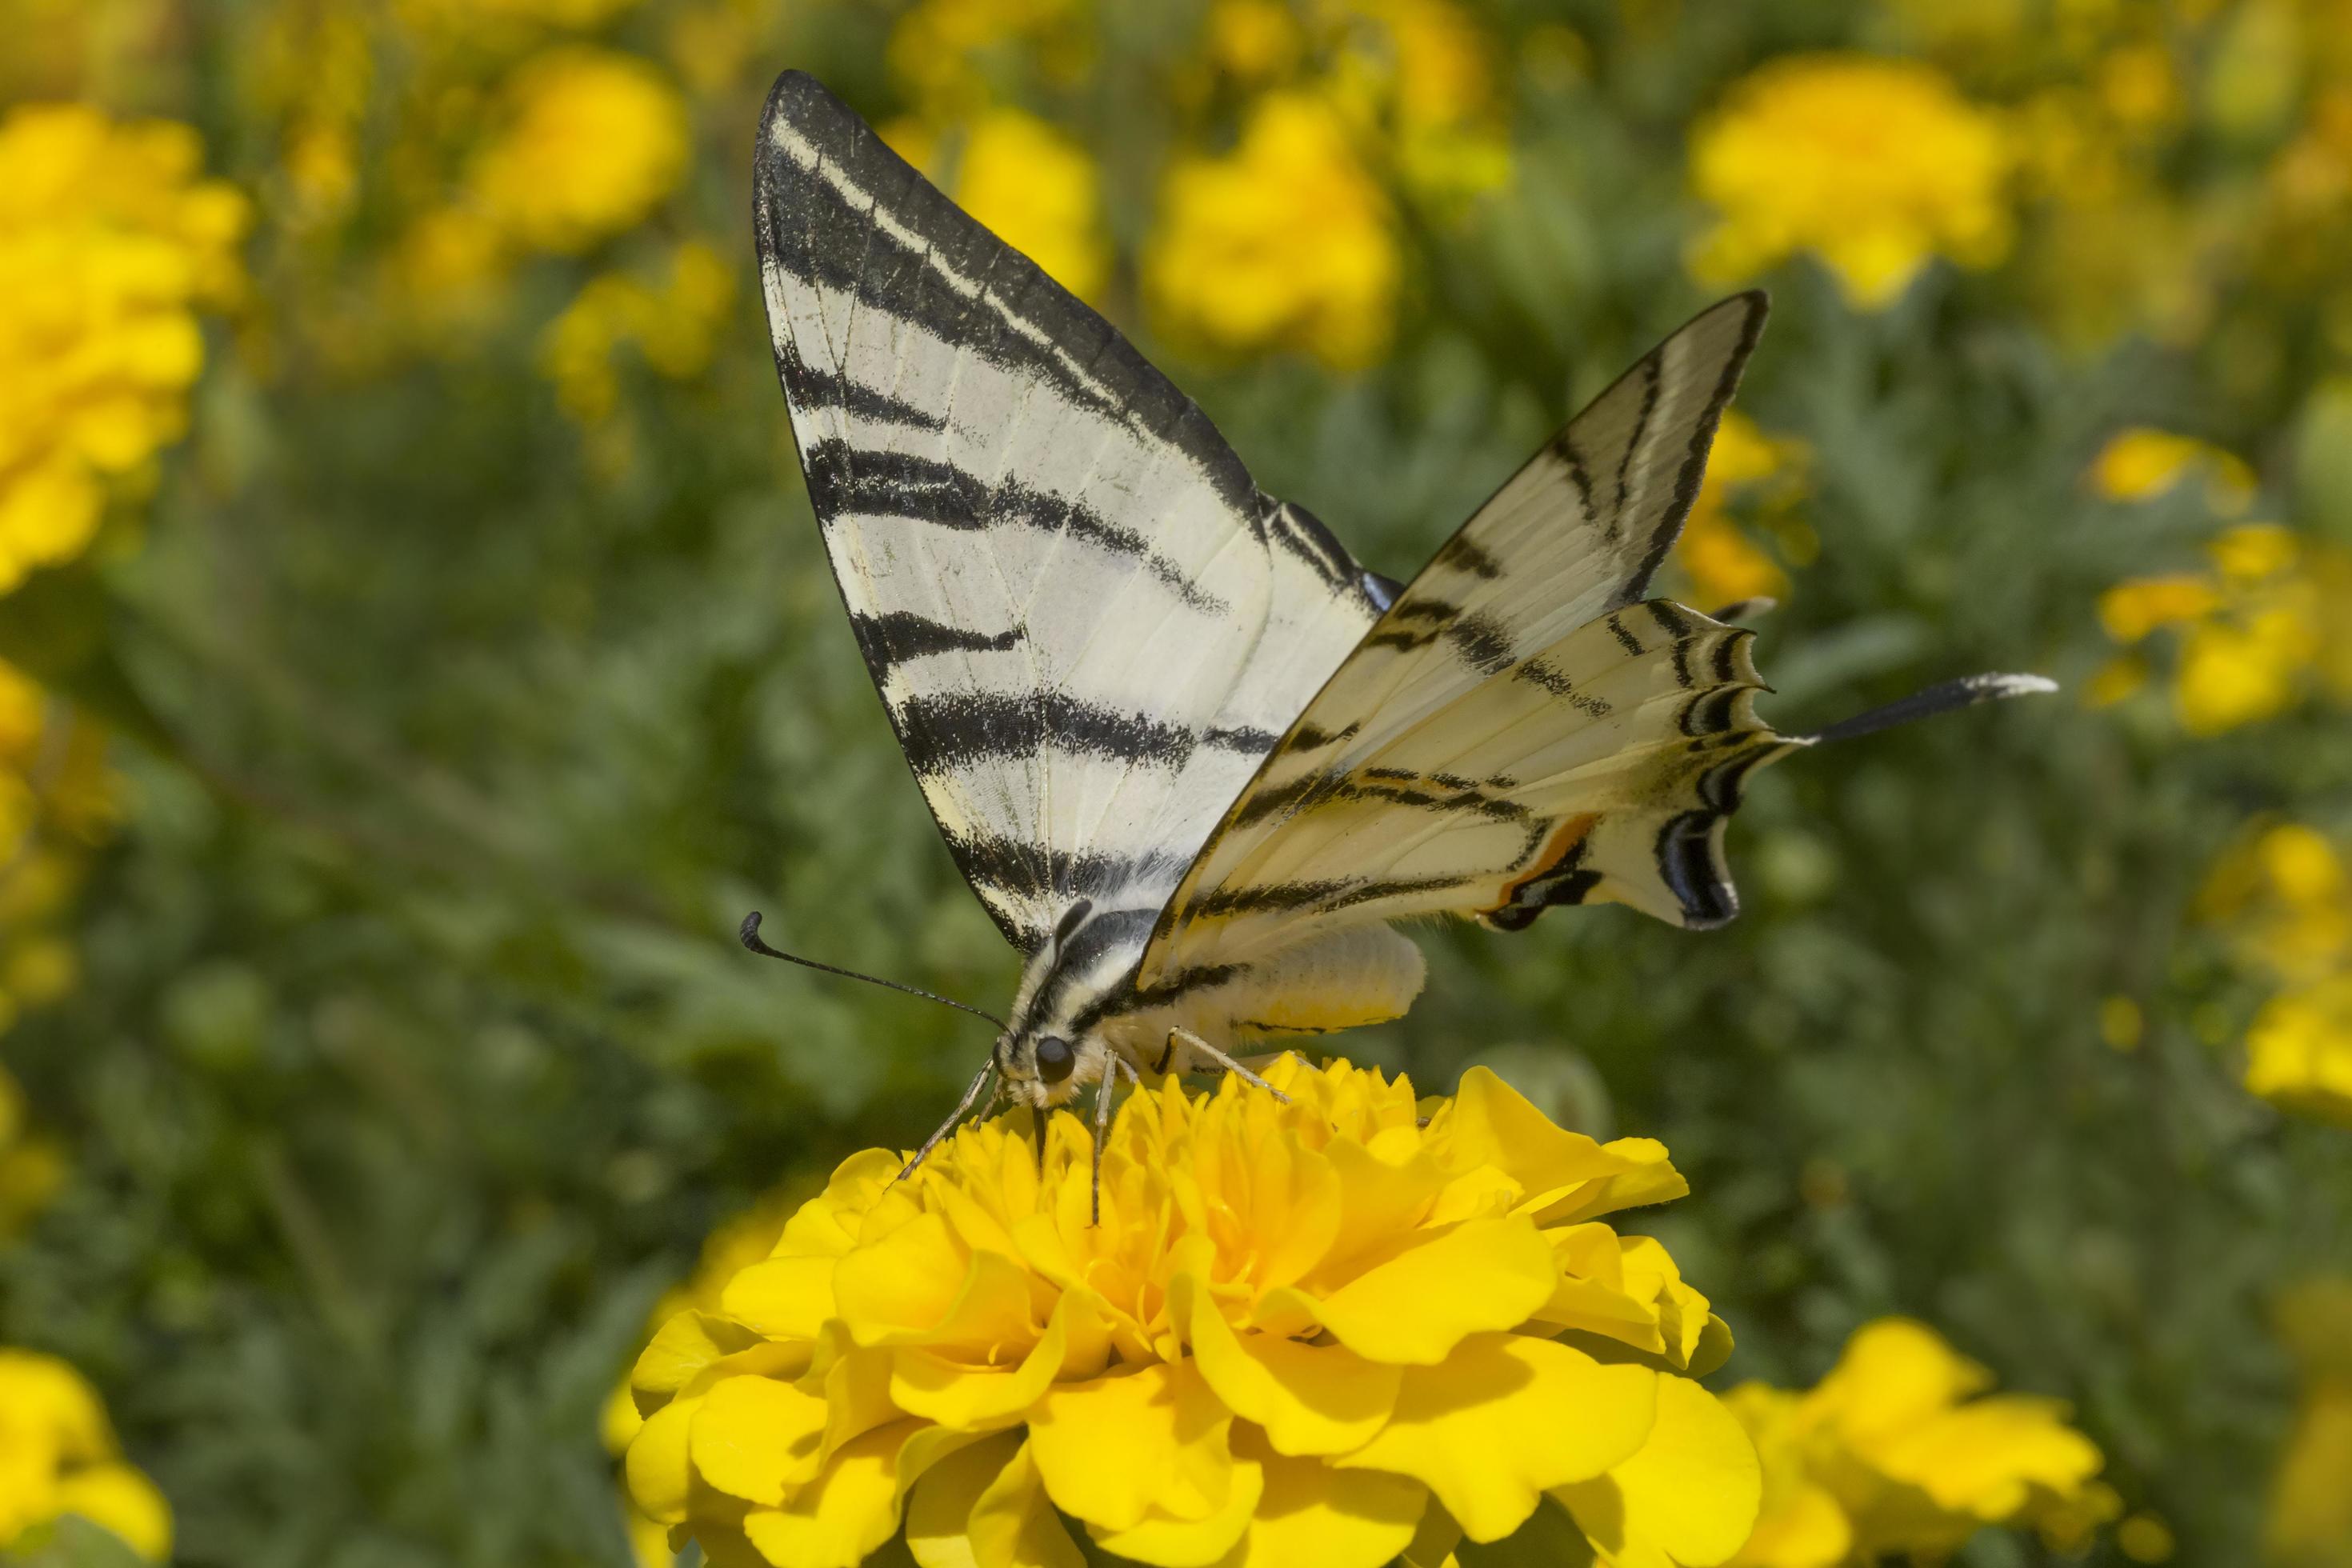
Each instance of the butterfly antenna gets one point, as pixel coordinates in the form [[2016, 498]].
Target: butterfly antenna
[[1966, 693], [749, 936]]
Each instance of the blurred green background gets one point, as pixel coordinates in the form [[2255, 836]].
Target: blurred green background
[[408, 693]]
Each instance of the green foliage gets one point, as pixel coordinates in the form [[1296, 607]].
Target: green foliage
[[414, 1055]]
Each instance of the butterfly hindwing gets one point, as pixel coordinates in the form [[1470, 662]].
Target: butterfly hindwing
[[1087, 622], [1521, 728]]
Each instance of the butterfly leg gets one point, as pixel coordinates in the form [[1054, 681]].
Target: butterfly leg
[[939, 1135], [1202, 1049], [1104, 1087]]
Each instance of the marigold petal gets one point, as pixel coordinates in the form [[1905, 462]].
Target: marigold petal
[[857, 1396], [939, 1508], [1311, 1399], [919, 1285], [1987, 1458], [117, 1498], [1562, 1175], [828, 1225], [1687, 1497], [683, 1346], [1114, 1448], [1894, 1374], [1309, 1512], [904, 1282], [1483, 1274], [659, 1467], [1013, 1524], [755, 1438], [1807, 1529], [1379, 1197], [1433, 1539], [1504, 1418], [974, 1399], [1165, 1541], [781, 1298], [852, 1506]]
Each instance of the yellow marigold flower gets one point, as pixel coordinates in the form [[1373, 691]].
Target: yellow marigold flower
[[1874, 165], [2261, 629], [1722, 563], [2234, 674], [594, 139], [1895, 1452], [2141, 463], [1288, 243], [110, 246], [57, 1457], [675, 328], [2130, 611], [2286, 891], [731, 1248], [1322, 1330], [2310, 1517], [2299, 1051], [1423, 71]]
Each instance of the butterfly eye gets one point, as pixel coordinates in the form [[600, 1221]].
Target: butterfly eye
[[1054, 1058]]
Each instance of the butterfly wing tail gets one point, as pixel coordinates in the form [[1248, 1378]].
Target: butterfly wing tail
[[1942, 698]]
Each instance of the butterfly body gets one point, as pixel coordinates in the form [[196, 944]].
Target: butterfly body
[[1193, 758]]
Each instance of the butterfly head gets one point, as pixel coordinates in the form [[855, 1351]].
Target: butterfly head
[[1045, 1068]]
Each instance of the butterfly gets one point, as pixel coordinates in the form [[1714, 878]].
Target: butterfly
[[1193, 758]]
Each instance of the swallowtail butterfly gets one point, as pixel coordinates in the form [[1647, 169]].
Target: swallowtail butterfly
[[1192, 758]]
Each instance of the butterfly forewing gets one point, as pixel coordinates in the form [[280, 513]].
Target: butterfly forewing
[[1088, 625]]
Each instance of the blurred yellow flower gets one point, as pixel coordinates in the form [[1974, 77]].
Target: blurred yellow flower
[[110, 246], [2299, 1050], [2310, 1522], [592, 140], [1874, 165], [946, 52], [2286, 895], [1422, 71], [673, 327], [451, 16], [2141, 463], [1723, 564], [57, 1457], [1254, 41], [1287, 243], [56, 797], [31, 1168], [1894, 1452], [2264, 626], [1317, 1327]]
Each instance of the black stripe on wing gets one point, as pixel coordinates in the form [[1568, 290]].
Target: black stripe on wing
[[845, 481], [1756, 305], [891, 639], [914, 254], [955, 729]]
